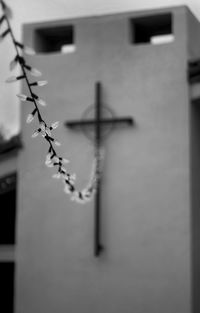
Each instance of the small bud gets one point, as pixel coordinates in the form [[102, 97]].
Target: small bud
[[56, 159], [72, 178], [23, 97], [48, 160], [29, 119], [41, 102], [48, 132], [79, 199], [57, 176], [74, 196], [35, 72], [57, 143], [66, 189], [42, 83], [14, 78], [43, 126], [49, 164], [65, 161], [55, 125], [35, 134], [39, 83], [63, 169], [86, 194], [48, 157]]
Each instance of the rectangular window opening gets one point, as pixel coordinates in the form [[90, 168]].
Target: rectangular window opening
[[58, 39], [7, 286], [152, 29], [8, 199]]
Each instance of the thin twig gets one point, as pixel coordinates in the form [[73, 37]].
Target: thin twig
[[52, 158]]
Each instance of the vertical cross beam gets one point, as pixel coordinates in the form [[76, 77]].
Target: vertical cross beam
[[98, 123], [97, 214]]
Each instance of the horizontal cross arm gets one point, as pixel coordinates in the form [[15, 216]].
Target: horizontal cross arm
[[112, 121]]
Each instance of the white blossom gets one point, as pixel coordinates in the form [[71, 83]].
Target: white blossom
[[42, 83]]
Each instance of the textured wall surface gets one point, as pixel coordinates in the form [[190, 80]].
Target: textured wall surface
[[146, 183]]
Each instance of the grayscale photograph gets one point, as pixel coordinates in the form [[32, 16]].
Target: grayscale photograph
[[99, 156]]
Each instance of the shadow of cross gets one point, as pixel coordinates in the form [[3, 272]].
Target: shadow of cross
[[98, 124]]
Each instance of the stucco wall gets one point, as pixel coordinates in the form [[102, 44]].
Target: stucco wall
[[194, 54], [146, 182]]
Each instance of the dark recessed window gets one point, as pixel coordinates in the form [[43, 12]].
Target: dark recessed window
[[7, 209], [7, 286], [58, 39], [153, 29]]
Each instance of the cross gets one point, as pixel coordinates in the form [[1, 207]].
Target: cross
[[98, 122]]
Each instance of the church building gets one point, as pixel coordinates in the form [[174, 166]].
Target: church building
[[134, 79]]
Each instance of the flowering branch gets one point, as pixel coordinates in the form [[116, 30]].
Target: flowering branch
[[52, 158]]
